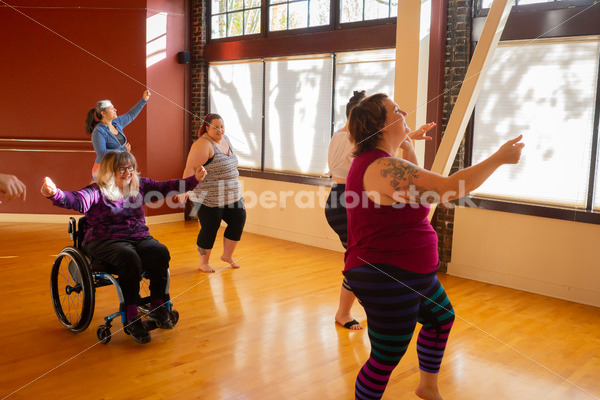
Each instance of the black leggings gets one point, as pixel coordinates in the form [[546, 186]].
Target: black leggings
[[335, 212], [128, 258], [210, 219]]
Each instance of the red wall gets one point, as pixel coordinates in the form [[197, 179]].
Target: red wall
[[166, 111], [57, 62]]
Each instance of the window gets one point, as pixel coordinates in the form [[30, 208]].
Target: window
[[546, 90], [482, 6], [298, 114], [364, 10], [372, 71], [488, 3], [235, 93], [300, 96], [296, 14], [234, 18]]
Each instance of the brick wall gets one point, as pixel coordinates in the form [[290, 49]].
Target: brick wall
[[458, 48], [199, 66]]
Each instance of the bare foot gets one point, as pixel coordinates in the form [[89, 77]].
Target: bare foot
[[428, 386], [348, 322], [206, 268], [428, 393], [230, 261]]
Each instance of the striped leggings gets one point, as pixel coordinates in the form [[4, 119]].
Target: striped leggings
[[394, 301]]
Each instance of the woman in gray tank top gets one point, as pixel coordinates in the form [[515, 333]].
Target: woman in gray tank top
[[218, 198]]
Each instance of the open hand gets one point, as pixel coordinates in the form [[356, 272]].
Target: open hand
[[510, 152], [420, 134], [48, 188]]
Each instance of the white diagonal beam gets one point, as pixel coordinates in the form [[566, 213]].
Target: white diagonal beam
[[412, 63], [467, 97]]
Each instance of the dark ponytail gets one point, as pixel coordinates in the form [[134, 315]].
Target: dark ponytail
[[357, 96], [95, 115], [90, 121]]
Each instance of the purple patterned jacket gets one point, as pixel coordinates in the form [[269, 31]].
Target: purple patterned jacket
[[122, 219]]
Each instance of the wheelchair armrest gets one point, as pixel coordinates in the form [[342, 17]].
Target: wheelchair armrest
[[73, 230]]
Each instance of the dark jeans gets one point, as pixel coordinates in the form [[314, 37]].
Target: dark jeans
[[128, 258]]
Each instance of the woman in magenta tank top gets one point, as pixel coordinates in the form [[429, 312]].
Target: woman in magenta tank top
[[391, 259]]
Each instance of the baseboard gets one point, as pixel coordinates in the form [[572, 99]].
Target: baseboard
[[161, 219], [560, 290], [316, 241]]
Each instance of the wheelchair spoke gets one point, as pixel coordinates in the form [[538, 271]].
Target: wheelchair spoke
[[68, 280], [72, 289], [68, 304], [70, 292]]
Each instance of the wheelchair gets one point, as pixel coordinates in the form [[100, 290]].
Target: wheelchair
[[73, 282]]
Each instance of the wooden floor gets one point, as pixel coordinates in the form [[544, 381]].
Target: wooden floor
[[266, 331]]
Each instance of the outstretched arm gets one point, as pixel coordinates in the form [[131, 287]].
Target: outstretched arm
[[126, 118], [80, 200], [401, 181]]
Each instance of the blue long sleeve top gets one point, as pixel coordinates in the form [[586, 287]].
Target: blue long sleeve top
[[104, 141], [121, 219]]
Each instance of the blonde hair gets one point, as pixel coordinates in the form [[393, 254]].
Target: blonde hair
[[106, 179]]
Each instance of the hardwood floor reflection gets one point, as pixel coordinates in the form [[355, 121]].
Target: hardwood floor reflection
[[266, 331]]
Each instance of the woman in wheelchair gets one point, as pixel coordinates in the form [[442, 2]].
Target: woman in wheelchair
[[117, 233]]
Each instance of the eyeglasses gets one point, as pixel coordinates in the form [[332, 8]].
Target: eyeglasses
[[129, 168]]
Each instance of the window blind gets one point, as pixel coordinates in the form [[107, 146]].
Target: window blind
[[545, 90], [298, 114], [372, 71], [235, 92]]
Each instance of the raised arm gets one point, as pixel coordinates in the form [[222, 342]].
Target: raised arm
[[80, 200], [126, 118], [173, 187], [398, 180]]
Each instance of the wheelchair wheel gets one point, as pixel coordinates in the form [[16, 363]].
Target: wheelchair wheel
[[103, 334], [174, 314], [72, 290]]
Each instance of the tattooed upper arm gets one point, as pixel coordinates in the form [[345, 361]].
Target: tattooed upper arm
[[403, 178], [400, 174]]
